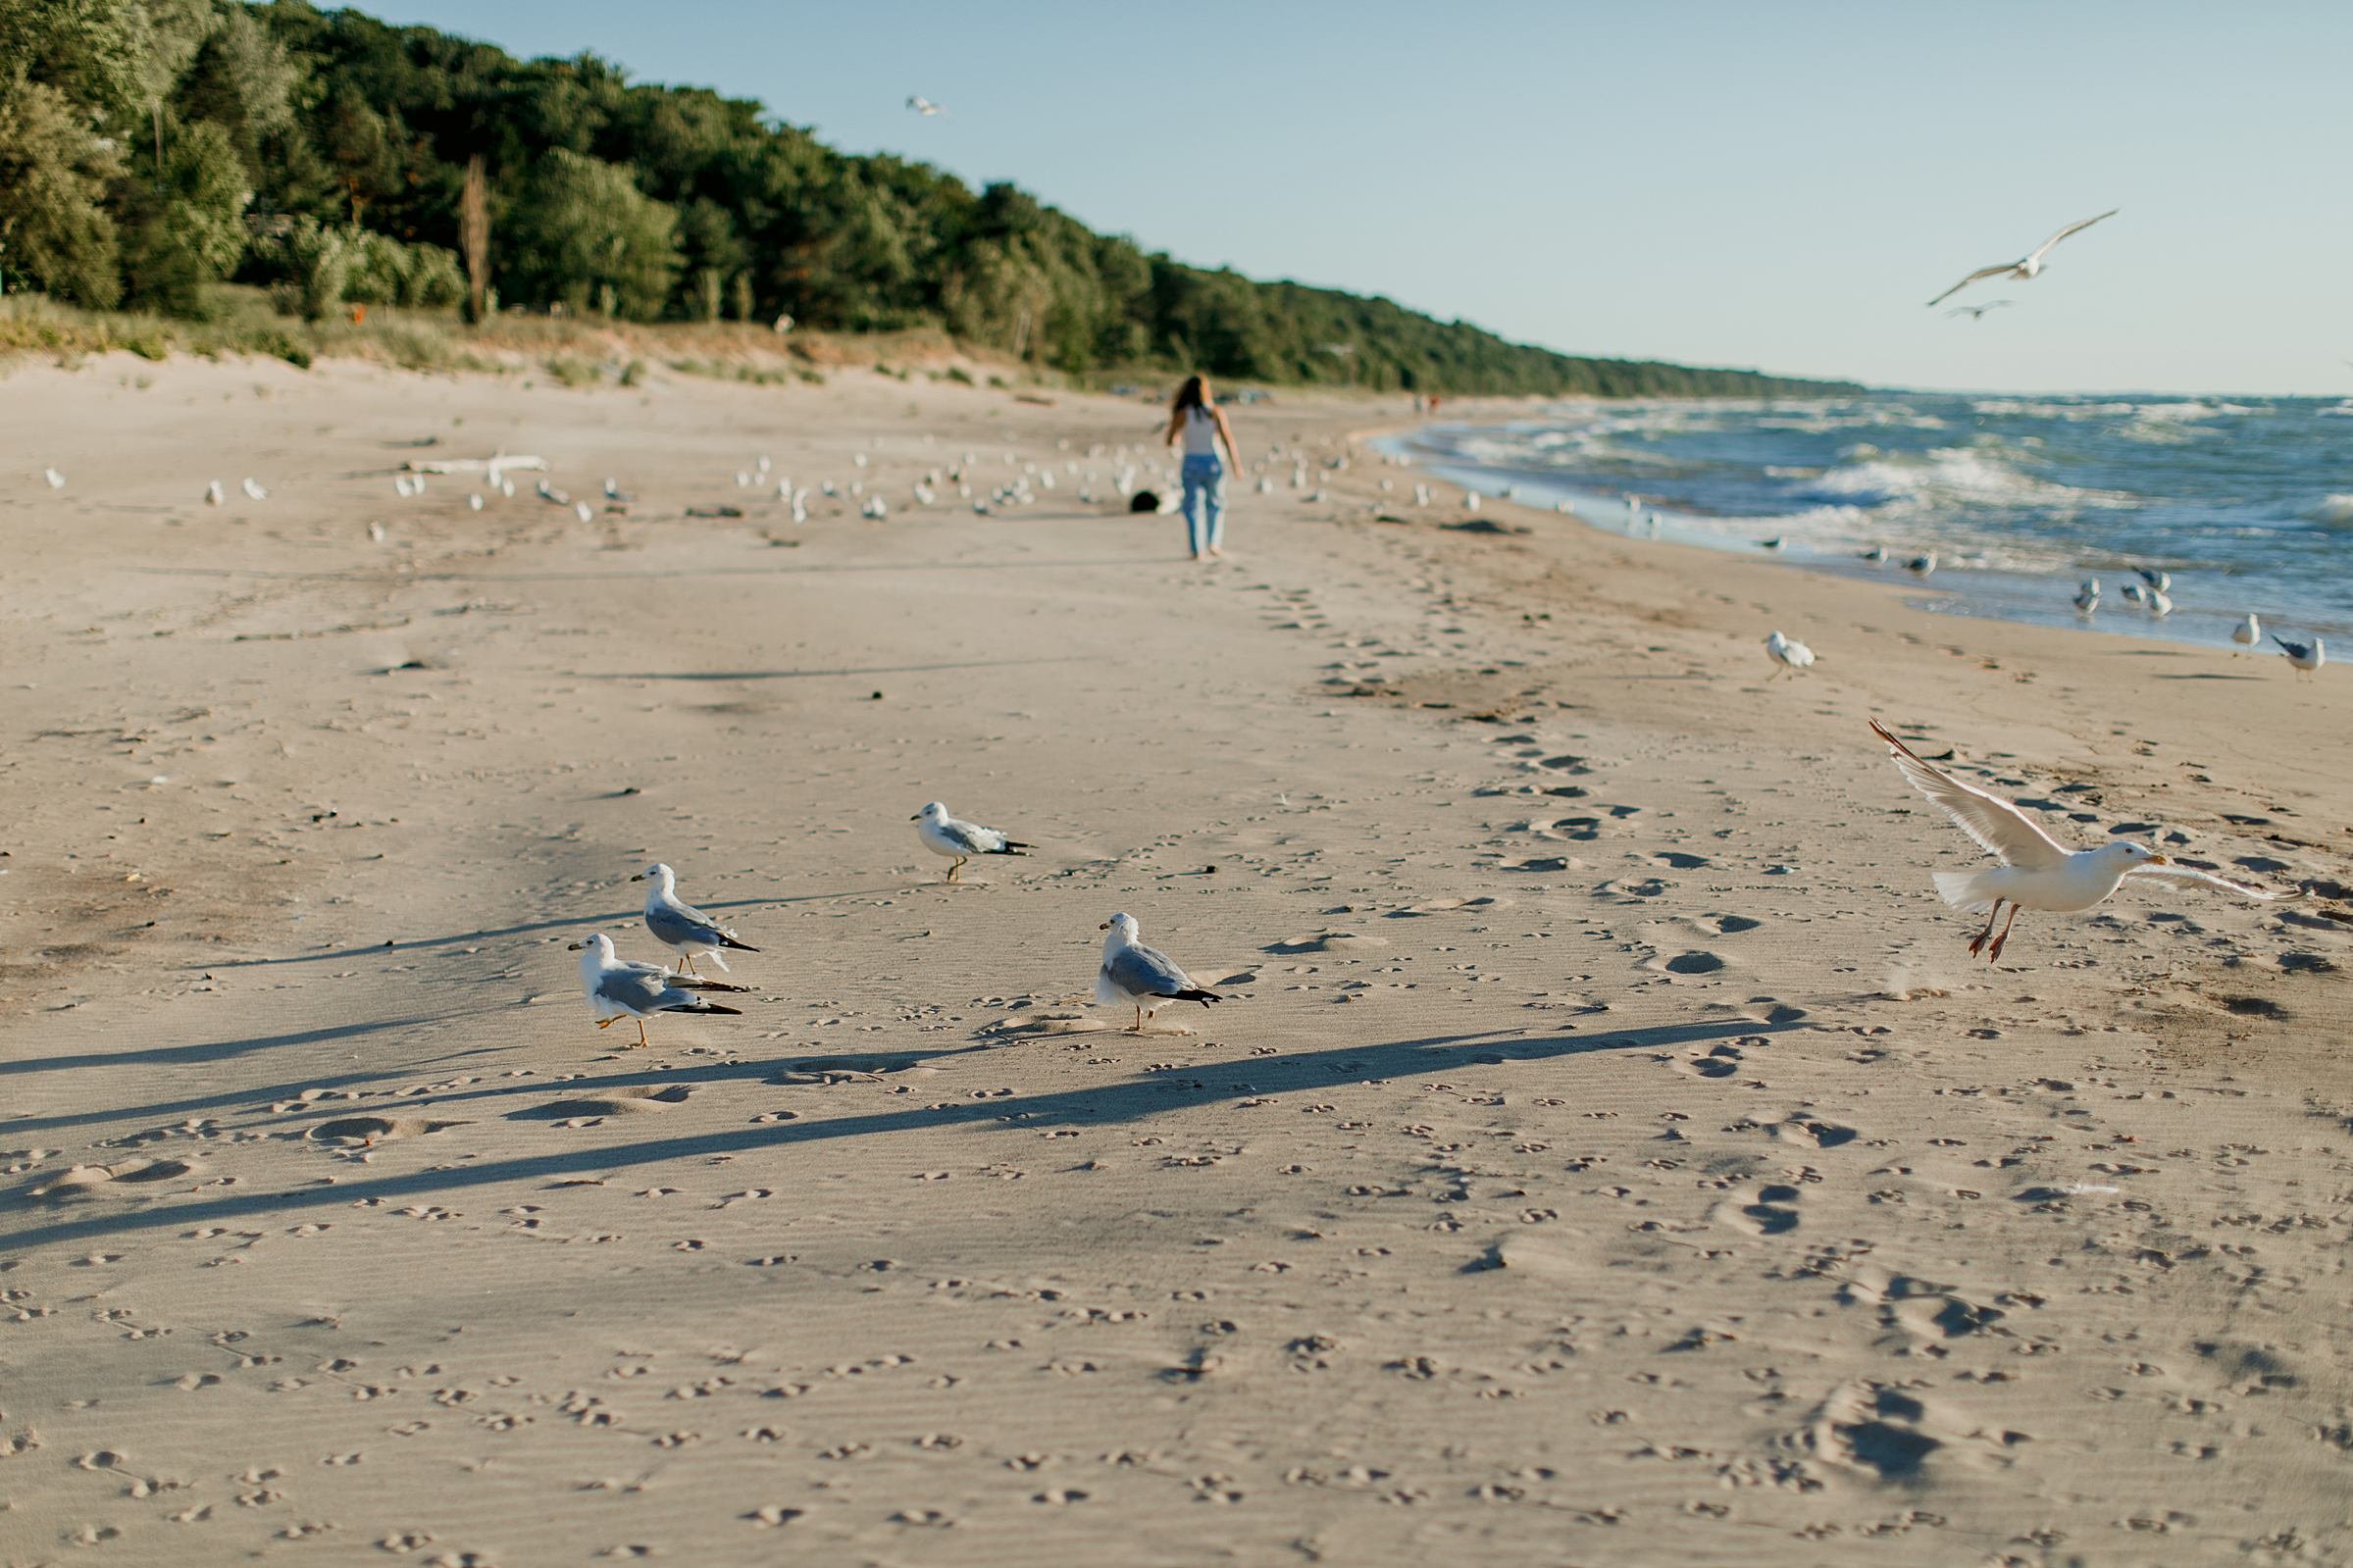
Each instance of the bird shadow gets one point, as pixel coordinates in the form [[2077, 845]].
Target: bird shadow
[[1153, 1093]]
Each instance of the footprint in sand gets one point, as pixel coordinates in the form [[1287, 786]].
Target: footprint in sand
[[1770, 1209], [1722, 1060], [373, 1129], [1446, 906], [1892, 1433], [1675, 860], [590, 1109], [1801, 1130], [124, 1180]]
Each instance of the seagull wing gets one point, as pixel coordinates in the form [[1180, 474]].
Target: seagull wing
[[1982, 272], [1998, 827], [2044, 249], [2185, 877], [1143, 971]]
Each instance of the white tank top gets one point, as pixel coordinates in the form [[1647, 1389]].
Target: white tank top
[[1201, 433]]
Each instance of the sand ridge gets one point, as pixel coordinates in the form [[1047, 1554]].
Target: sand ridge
[[1607, 1153]]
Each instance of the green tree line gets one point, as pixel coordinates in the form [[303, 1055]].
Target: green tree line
[[152, 149]]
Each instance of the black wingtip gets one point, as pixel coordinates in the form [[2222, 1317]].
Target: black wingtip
[[742, 947], [714, 1007], [1014, 846], [1204, 997]]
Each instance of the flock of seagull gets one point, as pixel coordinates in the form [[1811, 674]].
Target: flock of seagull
[[1130, 974]]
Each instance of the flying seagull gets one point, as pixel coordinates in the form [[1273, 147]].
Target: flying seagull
[[1144, 978], [617, 990], [2026, 267], [680, 927], [1977, 311], [959, 841], [2037, 871], [924, 106]]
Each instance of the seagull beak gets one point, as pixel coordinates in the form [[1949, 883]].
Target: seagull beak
[[1106, 925], [2159, 860], [918, 817], [573, 947], [640, 877]]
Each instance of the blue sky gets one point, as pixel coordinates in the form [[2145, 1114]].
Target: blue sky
[[1776, 185]]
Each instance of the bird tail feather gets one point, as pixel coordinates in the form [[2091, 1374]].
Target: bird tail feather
[[742, 947], [1014, 846], [702, 983], [714, 1007], [1970, 890], [1204, 997]]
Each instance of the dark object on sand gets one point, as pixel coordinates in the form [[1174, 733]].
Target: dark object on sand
[[1145, 501], [1481, 524], [714, 511]]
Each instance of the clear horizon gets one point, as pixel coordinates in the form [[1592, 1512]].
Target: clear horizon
[[1711, 184]]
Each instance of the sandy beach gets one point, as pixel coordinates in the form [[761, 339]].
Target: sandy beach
[[1607, 1151]]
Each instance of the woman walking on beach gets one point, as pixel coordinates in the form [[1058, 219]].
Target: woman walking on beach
[[1200, 425]]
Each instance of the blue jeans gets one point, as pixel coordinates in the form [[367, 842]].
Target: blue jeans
[[1205, 502]]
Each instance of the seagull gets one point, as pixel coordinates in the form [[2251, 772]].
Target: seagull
[[1921, 564], [2161, 603], [1976, 313], [618, 990], [2162, 581], [2026, 267], [2087, 597], [1787, 655], [1144, 978], [2247, 633], [57, 480], [680, 927], [1876, 554], [214, 495], [2134, 593], [2305, 657], [959, 841], [924, 106], [253, 488], [2037, 872]]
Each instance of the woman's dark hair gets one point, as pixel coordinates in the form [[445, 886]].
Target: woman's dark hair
[[1188, 396]]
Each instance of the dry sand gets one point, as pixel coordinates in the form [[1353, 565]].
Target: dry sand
[[1608, 1155]]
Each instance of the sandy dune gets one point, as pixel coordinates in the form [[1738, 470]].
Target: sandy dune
[[1609, 1152]]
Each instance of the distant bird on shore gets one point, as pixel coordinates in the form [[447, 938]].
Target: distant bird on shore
[[617, 990], [1921, 564], [253, 490], [2134, 593], [2161, 603], [2037, 872], [57, 480], [2026, 267], [2162, 581], [1787, 655], [2248, 633], [680, 927], [214, 494], [1776, 542], [2087, 597], [1877, 554], [924, 106], [959, 841], [1977, 311], [2305, 657], [1144, 978]]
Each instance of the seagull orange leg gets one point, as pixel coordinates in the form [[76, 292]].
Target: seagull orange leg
[[2005, 937], [641, 1039], [1977, 944]]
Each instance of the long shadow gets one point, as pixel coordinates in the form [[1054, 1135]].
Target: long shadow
[[217, 1050], [805, 674], [568, 922], [1136, 1099]]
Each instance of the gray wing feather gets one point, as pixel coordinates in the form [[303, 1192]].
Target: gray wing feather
[[1147, 972], [680, 925], [645, 990]]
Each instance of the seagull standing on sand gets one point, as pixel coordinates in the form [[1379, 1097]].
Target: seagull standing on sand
[[57, 480], [1144, 978], [2037, 872], [2087, 597], [959, 841], [254, 490], [680, 927], [2305, 657], [618, 990], [1787, 655], [214, 495], [2026, 267], [2248, 633]]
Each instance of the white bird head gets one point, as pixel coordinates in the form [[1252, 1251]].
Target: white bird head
[[659, 874], [1121, 927], [595, 951], [2132, 852], [932, 811]]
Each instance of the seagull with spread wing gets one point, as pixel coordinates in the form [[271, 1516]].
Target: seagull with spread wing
[[2037, 872], [2026, 266]]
